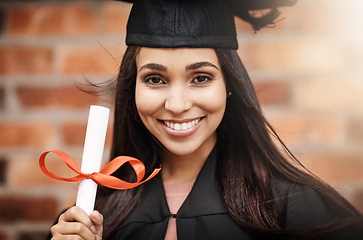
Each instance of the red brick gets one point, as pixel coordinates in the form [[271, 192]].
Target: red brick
[[273, 92], [93, 59], [74, 133], [81, 19], [311, 130], [335, 167], [46, 97], [24, 171], [51, 20], [4, 235], [36, 20], [26, 134], [109, 134], [25, 208], [25, 60], [115, 16]]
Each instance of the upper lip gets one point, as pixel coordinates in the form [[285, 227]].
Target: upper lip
[[181, 120]]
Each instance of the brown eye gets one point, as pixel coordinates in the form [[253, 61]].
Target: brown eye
[[154, 80], [202, 79]]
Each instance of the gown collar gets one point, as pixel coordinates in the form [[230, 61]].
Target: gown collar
[[204, 198]]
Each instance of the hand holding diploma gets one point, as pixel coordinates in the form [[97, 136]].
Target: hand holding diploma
[[89, 176], [75, 222]]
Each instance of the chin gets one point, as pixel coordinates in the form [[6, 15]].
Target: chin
[[181, 150]]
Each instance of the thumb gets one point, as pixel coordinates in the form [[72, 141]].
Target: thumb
[[97, 227]]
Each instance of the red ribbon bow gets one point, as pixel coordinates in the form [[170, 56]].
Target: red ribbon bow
[[103, 177]]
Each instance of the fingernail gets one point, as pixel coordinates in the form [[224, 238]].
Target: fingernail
[[93, 229]]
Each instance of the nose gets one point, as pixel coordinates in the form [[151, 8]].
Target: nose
[[178, 100]]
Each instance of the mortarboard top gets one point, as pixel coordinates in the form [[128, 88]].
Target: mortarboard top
[[195, 23]]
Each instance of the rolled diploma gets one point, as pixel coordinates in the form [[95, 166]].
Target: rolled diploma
[[92, 156]]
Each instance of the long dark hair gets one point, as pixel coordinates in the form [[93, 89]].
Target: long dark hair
[[249, 160]]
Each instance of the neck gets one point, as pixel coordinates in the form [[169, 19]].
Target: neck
[[185, 168]]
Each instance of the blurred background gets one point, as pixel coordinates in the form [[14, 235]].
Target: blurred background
[[307, 71]]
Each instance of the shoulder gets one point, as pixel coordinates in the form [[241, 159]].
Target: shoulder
[[299, 205]]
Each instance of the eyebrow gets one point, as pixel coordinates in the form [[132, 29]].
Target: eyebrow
[[154, 66], [190, 67], [198, 65]]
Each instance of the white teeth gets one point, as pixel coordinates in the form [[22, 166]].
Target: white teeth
[[182, 126]]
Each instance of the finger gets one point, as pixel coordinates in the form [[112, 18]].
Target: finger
[[75, 229], [76, 214], [97, 227], [96, 217]]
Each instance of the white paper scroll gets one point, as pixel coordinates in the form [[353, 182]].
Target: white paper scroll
[[92, 156]]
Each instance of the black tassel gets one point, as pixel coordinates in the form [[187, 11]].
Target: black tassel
[[263, 21], [244, 9]]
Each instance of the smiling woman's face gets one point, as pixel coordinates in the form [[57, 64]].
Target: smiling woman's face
[[181, 97]]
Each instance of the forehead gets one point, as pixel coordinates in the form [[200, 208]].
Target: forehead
[[179, 56]]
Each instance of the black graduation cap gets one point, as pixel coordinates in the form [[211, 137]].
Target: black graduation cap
[[195, 23]]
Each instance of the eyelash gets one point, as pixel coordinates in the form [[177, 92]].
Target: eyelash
[[149, 79], [206, 79]]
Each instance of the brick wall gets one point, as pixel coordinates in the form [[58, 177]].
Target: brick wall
[[307, 72]]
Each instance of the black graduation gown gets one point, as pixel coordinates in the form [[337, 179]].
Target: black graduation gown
[[203, 216]]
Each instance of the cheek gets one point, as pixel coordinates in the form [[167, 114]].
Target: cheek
[[147, 102], [213, 101]]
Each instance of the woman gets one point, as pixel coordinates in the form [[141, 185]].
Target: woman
[[185, 101]]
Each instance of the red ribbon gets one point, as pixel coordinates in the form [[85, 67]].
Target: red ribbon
[[103, 177]]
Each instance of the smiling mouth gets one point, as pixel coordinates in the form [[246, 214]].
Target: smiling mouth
[[181, 126]]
